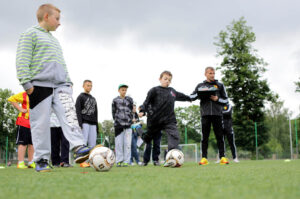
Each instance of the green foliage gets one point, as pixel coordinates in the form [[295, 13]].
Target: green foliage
[[242, 72], [190, 118], [8, 116], [277, 118], [109, 133], [247, 180]]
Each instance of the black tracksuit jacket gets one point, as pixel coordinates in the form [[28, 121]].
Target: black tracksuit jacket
[[159, 105], [86, 109], [208, 106]]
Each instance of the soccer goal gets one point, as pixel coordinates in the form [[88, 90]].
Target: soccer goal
[[190, 152]]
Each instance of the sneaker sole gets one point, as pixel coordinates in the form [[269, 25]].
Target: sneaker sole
[[81, 159]]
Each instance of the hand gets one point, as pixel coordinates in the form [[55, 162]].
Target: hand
[[214, 98], [141, 114], [30, 91], [24, 110]]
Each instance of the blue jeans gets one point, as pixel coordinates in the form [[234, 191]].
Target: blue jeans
[[134, 153]]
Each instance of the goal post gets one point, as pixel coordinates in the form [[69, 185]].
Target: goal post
[[190, 152]]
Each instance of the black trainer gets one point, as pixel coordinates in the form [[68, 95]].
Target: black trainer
[[156, 163]]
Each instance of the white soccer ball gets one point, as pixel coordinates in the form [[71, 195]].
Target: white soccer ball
[[102, 158], [174, 158]]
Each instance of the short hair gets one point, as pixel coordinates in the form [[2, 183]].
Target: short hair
[[45, 8], [165, 73], [209, 68], [87, 80]]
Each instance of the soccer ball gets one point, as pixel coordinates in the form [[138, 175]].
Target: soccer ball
[[101, 158], [174, 158]]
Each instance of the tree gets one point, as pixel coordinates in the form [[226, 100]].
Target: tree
[[109, 132], [298, 86], [8, 116], [277, 118], [190, 118], [242, 72]]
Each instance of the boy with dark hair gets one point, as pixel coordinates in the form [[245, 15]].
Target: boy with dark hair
[[213, 97], [122, 114], [159, 106], [42, 71]]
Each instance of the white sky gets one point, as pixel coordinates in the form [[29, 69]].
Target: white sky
[[132, 43]]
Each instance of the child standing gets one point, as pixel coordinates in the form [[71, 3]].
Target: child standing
[[135, 127], [42, 72], [122, 114], [23, 134], [211, 113], [159, 106]]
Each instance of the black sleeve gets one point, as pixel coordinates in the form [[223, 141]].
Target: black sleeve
[[79, 109], [182, 97], [113, 109], [194, 95], [223, 99], [148, 100], [96, 112]]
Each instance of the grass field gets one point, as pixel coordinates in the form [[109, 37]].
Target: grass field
[[247, 179]]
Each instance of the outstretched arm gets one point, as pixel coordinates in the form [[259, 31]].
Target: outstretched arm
[[145, 106]]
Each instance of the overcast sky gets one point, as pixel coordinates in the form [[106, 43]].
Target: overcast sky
[[133, 41]]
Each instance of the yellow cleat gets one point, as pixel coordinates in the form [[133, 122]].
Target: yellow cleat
[[22, 165], [203, 161], [32, 165], [84, 165], [224, 161]]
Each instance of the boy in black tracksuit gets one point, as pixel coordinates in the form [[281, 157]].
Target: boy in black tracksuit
[[228, 130], [159, 106], [211, 112]]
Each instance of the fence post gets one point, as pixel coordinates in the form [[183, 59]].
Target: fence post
[[101, 138], [6, 152], [256, 140], [291, 141], [185, 135], [296, 137]]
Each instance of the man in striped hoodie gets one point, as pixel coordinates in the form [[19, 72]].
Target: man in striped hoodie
[[42, 72]]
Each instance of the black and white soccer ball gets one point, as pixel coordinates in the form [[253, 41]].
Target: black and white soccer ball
[[174, 158], [102, 158]]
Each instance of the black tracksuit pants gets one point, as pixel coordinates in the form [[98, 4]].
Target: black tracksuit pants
[[216, 121], [59, 146], [229, 134], [155, 144]]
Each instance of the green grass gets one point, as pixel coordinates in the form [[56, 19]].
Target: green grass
[[248, 179]]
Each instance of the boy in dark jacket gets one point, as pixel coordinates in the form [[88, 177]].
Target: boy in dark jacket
[[87, 115], [211, 112], [122, 114], [159, 106]]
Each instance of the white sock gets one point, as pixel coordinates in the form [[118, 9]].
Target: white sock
[[29, 163]]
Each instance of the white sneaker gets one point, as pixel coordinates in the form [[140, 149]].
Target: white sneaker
[[218, 161], [140, 163], [236, 160], [132, 164]]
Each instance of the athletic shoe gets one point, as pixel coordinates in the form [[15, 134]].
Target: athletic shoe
[[125, 165], [218, 161], [56, 165], [156, 163], [64, 164], [84, 165], [203, 161], [144, 164], [81, 154], [224, 161], [119, 164], [236, 160], [32, 165], [42, 166], [22, 165], [140, 163]]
